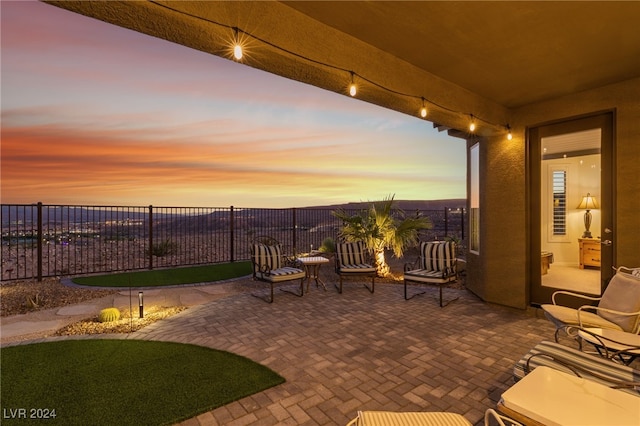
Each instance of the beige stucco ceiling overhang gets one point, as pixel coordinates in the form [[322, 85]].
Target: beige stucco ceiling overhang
[[481, 58]]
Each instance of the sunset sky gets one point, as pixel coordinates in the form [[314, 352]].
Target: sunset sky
[[95, 114]]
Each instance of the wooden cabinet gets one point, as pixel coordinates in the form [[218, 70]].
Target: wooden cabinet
[[589, 252]]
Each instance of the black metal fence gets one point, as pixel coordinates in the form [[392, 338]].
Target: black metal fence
[[55, 240]]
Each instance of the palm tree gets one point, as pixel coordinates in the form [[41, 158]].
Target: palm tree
[[382, 227]]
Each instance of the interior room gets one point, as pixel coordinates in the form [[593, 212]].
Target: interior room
[[570, 186]]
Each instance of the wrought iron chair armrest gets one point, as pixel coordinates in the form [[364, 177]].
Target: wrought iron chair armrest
[[264, 269], [602, 341], [409, 266], [598, 309], [611, 311], [626, 270], [291, 261]]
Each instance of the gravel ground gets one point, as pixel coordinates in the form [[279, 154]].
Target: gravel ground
[[126, 323], [21, 297]]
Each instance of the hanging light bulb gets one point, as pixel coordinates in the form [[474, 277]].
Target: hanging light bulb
[[472, 125], [237, 48], [423, 110], [352, 87], [509, 135], [237, 52]]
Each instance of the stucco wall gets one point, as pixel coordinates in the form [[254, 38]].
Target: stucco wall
[[498, 274]]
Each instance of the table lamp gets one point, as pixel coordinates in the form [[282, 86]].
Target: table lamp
[[588, 202]]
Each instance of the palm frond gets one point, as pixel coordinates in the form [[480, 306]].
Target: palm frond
[[382, 227]]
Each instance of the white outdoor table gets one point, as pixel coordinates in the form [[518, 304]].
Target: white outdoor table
[[626, 346], [554, 398], [312, 269]]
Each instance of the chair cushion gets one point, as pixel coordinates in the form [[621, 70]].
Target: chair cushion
[[562, 315], [282, 274], [388, 418], [424, 276], [357, 269], [352, 253], [622, 294], [271, 256], [437, 255], [557, 355]]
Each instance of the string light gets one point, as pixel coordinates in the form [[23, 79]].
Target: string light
[[238, 55], [423, 110], [352, 87], [237, 48]]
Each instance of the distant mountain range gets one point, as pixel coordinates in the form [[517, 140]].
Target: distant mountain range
[[404, 204], [76, 214]]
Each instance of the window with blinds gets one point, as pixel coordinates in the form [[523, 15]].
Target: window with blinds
[[559, 182]]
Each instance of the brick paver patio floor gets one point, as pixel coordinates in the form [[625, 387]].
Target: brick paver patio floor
[[341, 353]]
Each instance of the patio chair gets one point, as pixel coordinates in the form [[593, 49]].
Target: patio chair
[[618, 308], [389, 418], [269, 265], [352, 259], [436, 265]]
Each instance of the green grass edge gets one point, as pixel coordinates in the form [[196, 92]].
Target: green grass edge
[[133, 362], [168, 277]]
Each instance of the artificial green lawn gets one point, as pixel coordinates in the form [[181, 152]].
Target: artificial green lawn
[[166, 277], [123, 382]]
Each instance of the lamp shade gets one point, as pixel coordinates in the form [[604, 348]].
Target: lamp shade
[[588, 202]]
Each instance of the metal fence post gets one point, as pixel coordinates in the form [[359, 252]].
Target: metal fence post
[[231, 235], [295, 228], [39, 243], [446, 223], [150, 237]]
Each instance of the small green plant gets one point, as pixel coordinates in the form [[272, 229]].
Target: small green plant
[[109, 315], [164, 248], [328, 245]]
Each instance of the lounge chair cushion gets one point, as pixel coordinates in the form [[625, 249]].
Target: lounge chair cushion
[[388, 418], [357, 269], [622, 294], [285, 273], [562, 315], [554, 355]]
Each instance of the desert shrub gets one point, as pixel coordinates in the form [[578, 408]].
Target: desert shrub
[[328, 245], [164, 248]]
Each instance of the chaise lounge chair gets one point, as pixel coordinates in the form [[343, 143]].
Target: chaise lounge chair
[[618, 308]]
